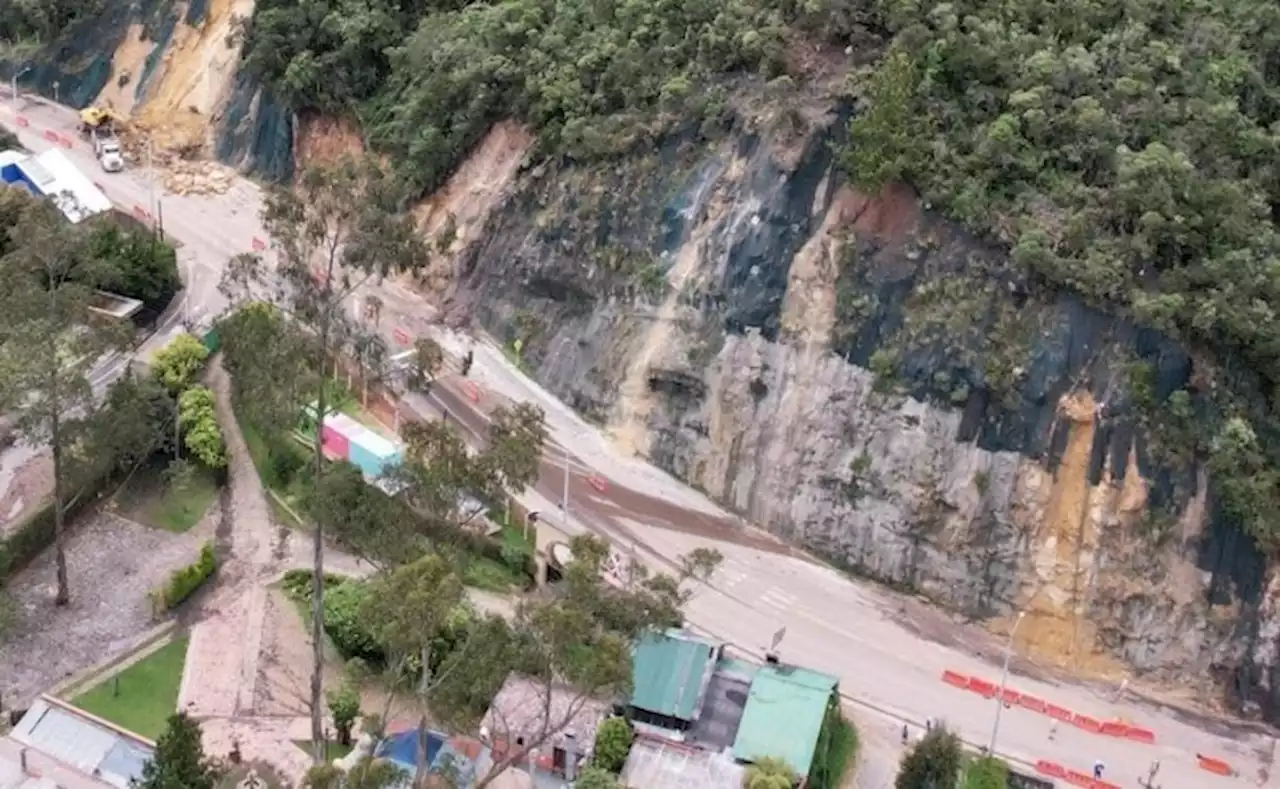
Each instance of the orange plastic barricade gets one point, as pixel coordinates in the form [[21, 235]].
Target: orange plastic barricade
[[1215, 766], [259, 245], [1079, 779], [473, 391], [599, 483], [955, 678], [1010, 697], [51, 136], [982, 687], [23, 122], [1032, 703], [1104, 785], [1115, 729], [1052, 769], [1086, 723], [1141, 735], [1061, 713]]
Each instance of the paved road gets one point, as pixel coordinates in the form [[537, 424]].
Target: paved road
[[888, 651]]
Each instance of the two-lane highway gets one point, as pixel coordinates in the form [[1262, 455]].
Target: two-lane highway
[[867, 636]]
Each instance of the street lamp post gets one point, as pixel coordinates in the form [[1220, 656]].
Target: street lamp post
[[13, 86], [1004, 677]]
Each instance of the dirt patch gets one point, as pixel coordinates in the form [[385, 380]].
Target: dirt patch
[[323, 139], [126, 69], [193, 79], [890, 216], [455, 215], [284, 665], [29, 484], [113, 565], [808, 309]]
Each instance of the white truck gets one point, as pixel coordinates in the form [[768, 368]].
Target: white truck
[[107, 149]]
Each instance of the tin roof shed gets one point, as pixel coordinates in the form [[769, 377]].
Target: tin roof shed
[[671, 671], [786, 708]]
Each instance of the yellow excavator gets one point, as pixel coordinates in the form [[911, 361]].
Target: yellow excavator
[[98, 125]]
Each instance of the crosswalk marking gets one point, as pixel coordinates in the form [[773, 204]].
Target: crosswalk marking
[[730, 573], [776, 598]]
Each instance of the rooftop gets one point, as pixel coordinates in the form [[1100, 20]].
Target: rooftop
[[658, 764], [522, 708], [671, 670], [70, 748], [785, 711]]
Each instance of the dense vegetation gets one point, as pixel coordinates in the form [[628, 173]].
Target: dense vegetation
[[42, 19], [428, 77], [1126, 151]]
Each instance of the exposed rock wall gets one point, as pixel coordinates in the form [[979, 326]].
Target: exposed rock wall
[[870, 382]]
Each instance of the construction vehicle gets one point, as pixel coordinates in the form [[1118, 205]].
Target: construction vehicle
[[98, 125]]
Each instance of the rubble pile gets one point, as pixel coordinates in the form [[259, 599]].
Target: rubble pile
[[185, 177]]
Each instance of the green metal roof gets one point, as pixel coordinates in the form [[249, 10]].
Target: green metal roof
[[669, 674], [786, 707]]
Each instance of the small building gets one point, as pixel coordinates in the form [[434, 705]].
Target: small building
[[52, 175], [459, 761], [672, 671], [525, 710], [787, 708], [58, 745]]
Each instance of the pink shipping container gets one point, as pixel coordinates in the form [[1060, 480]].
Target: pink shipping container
[[334, 443]]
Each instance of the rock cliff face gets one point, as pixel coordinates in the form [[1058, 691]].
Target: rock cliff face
[[870, 382]]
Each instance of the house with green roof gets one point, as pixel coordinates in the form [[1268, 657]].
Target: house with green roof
[[671, 674], [787, 709]]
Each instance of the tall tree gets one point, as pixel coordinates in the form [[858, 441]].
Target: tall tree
[[49, 342], [332, 230], [179, 761]]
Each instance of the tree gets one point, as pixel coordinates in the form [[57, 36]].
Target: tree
[[336, 227], [49, 340], [179, 761], [405, 610], [199, 418], [987, 772], [933, 763], [613, 743], [428, 358], [178, 363], [368, 773], [344, 706], [596, 778], [770, 773]]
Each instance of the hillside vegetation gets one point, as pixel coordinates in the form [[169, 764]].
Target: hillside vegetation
[[428, 77], [1127, 150]]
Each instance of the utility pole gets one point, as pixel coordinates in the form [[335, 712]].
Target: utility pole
[[1004, 677]]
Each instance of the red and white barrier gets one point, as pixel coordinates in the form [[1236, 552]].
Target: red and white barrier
[[403, 337], [259, 245]]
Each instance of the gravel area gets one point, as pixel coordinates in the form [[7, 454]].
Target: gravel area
[[113, 564]]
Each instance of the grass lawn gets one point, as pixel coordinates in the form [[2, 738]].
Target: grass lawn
[[332, 749], [150, 499], [492, 576], [142, 697]]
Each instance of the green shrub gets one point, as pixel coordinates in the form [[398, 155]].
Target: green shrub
[[179, 363], [203, 435], [184, 582], [987, 772], [613, 743], [344, 624]]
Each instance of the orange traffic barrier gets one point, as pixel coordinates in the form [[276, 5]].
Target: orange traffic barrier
[[599, 483], [403, 337], [1010, 697], [1104, 785], [1115, 729], [982, 687], [1032, 703], [955, 678], [1138, 734], [473, 391], [1061, 713], [1052, 769], [1086, 723], [23, 122], [51, 136], [1079, 779], [65, 142], [258, 244], [1215, 766]]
